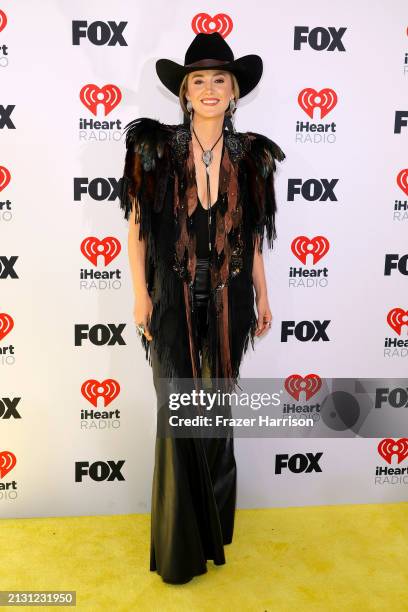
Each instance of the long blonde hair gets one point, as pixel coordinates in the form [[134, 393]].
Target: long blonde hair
[[183, 90]]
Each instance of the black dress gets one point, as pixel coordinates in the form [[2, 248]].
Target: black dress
[[194, 479]]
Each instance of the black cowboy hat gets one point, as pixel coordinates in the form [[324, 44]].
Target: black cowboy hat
[[211, 51]]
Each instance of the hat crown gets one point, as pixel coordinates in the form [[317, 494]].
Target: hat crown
[[208, 46]]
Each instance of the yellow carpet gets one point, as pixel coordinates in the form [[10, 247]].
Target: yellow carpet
[[346, 558]]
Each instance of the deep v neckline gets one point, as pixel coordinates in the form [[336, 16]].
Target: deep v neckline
[[206, 209], [219, 173]]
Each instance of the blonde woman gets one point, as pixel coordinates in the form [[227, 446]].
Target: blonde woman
[[199, 197]]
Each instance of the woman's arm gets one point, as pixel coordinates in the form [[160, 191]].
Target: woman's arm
[[262, 303], [137, 254]]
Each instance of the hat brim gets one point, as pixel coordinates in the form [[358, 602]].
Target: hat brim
[[247, 69]]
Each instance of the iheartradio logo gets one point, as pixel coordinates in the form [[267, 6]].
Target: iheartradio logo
[[309, 384], [108, 248], [402, 180], [388, 447], [325, 100], [92, 248], [205, 24], [396, 318], [92, 389], [7, 462], [109, 96], [6, 324], [302, 246], [5, 177], [3, 20]]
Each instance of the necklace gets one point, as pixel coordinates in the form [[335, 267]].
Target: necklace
[[207, 157]]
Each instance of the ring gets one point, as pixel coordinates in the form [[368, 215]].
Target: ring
[[140, 328]]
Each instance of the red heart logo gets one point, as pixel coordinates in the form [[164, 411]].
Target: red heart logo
[[295, 383], [109, 96], [6, 324], [5, 177], [203, 23], [301, 247], [7, 462], [3, 20], [396, 318], [388, 447], [402, 180], [325, 99], [109, 247], [108, 389]]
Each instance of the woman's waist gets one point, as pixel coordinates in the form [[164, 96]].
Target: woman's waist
[[202, 278]]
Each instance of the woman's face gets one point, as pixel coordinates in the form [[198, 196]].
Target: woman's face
[[212, 86]]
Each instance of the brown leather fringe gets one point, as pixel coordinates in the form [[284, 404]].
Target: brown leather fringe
[[186, 246], [152, 147]]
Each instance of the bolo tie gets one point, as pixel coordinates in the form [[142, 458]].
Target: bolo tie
[[207, 157]]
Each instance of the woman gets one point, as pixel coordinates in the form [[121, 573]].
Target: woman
[[199, 196]]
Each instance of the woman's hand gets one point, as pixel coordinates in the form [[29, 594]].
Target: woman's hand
[[259, 281], [264, 315], [142, 313]]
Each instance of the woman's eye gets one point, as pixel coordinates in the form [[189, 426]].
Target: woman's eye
[[199, 81]]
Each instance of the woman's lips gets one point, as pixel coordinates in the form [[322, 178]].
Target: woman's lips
[[210, 101]]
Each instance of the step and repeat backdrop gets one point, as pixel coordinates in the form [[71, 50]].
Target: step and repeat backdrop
[[77, 401]]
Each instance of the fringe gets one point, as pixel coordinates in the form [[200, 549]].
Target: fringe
[[146, 170], [247, 195], [261, 168], [168, 294]]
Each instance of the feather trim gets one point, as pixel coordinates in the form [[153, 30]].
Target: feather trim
[[261, 167], [146, 170]]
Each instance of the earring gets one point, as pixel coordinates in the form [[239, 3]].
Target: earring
[[190, 110], [232, 107]]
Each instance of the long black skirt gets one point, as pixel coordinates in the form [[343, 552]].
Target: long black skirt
[[194, 481]]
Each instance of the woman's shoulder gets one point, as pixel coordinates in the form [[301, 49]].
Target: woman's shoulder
[[147, 129], [149, 139]]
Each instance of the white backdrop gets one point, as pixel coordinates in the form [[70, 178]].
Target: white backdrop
[[45, 157]]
